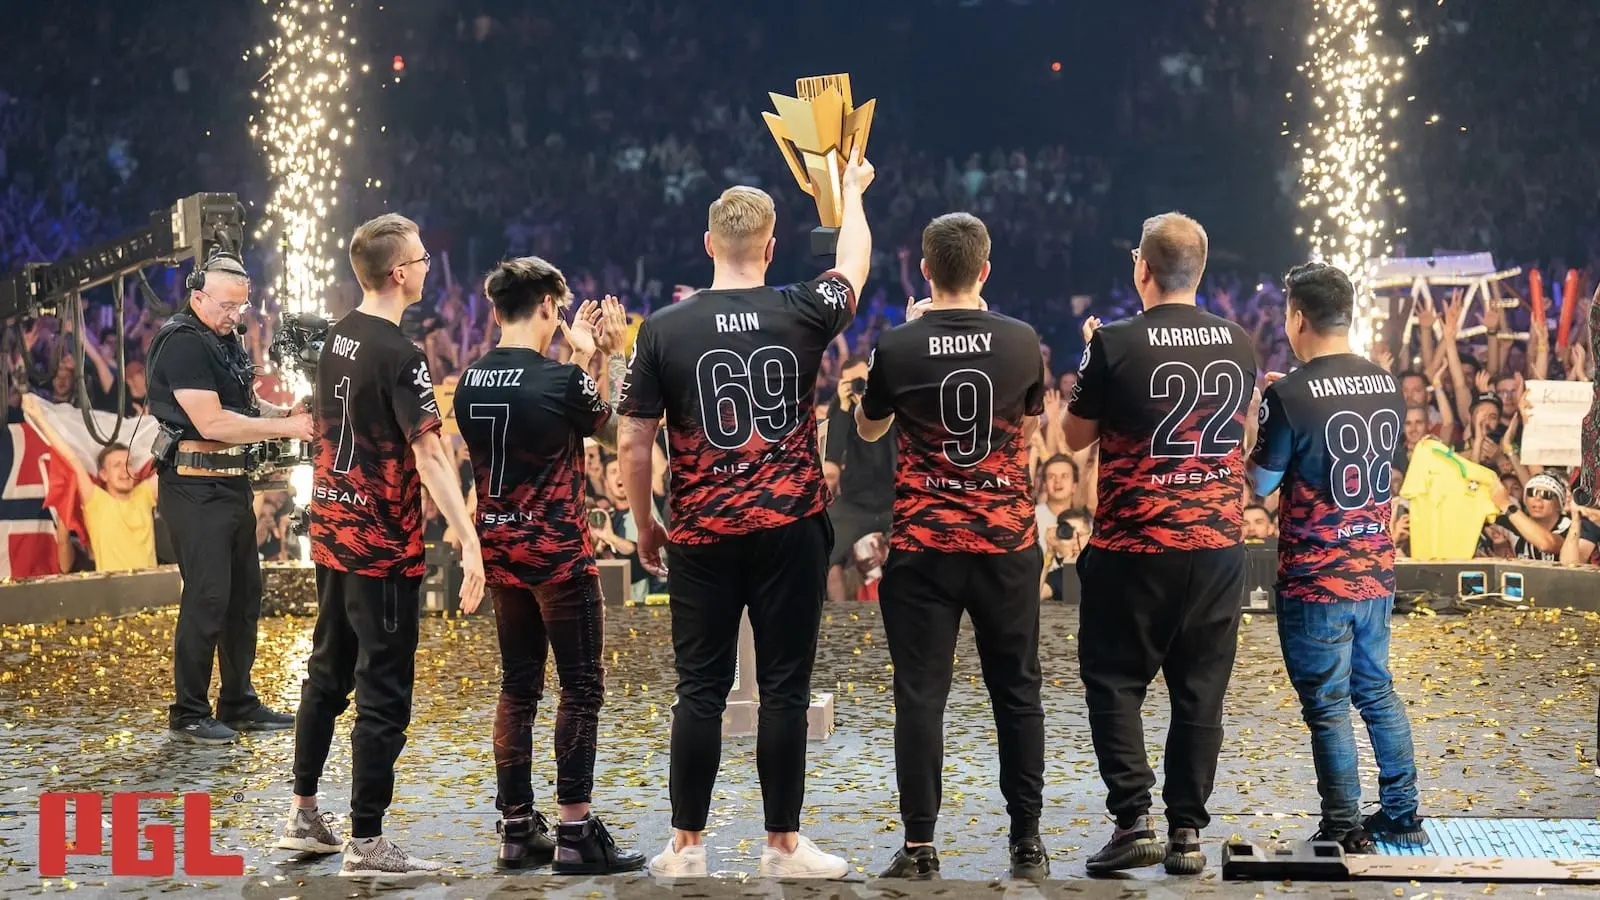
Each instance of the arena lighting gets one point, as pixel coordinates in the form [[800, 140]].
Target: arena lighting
[[1343, 155], [304, 124]]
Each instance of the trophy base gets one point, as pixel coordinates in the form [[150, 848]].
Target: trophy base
[[824, 244]]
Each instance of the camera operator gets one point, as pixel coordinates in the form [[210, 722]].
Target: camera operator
[[865, 504], [1063, 542], [201, 392]]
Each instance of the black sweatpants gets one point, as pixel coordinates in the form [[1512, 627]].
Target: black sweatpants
[[214, 532], [781, 575], [921, 598], [1178, 613], [365, 639]]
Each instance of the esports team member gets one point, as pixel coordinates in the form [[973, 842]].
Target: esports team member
[[734, 369], [1168, 393], [966, 387], [524, 417], [378, 446], [202, 391], [1328, 437], [866, 482]]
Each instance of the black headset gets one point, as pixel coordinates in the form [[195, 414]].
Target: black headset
[[220, 260]]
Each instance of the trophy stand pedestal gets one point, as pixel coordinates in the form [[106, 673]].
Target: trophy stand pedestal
[[824, 245], [740, 716]]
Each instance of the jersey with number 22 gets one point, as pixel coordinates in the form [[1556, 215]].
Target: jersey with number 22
[[1171, 390]]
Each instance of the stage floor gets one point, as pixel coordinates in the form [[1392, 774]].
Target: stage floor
[[1502, 707]]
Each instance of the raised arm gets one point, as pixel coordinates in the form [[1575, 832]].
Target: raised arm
[[853, 259]]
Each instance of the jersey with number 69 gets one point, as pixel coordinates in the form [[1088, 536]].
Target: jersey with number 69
[[1331, 428], [374, 398], [735, 372], [959, 383], [524, 417], [1171, 389]]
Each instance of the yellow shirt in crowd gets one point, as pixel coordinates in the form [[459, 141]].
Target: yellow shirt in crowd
[[1450, 502], [122, 532]]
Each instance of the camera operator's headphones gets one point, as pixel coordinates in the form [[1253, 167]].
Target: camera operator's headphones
[[220, 260]]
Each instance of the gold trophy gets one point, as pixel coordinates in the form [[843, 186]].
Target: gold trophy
[[817, 131]]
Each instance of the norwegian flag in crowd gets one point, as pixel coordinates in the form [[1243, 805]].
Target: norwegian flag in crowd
[[29, 548]]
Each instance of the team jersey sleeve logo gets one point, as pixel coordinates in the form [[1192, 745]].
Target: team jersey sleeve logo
[[835, 293], [1265, 412], [1083, 362], [591, 392], [422, 380]]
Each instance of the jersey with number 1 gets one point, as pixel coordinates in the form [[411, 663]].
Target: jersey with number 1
[[960, 383], [1170, 389], [524, 417], [1332, 428], [374, 398], [735, 373]]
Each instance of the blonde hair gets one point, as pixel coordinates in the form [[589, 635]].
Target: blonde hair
[[376, 246], [741, 220]]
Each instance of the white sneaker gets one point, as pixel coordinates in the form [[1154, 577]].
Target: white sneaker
[[807, 861], [690, 862], [383, 858]]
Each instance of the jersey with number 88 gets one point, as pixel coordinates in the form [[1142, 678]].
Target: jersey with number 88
[[1332, 428]]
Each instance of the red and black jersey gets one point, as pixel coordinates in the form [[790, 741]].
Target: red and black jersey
[[374, 396], [959, 383], [1170, 389], [1332, 428], [524, 417], [735, 372]]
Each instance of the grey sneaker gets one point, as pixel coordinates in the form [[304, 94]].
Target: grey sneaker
[[384, 857], [203, 731], [1129, 848], [309, 832]]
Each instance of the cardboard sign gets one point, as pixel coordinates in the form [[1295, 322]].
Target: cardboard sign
[[1552, 436]]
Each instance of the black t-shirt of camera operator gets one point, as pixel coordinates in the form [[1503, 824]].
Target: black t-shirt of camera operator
[[192, 360]]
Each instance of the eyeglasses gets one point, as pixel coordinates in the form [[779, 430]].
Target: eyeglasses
[[426, 259], [1135, 254], [229, 308], [1542, 494]]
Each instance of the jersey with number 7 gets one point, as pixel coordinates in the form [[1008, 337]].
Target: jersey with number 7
[[1331, 429], [960, 383], [1170, 389], [735, 373]]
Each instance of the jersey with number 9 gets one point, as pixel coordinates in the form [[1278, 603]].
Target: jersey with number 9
[[960, 383], [1332, 428], [735, 373]]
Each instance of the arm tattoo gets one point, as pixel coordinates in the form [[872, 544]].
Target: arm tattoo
[[616, 373]]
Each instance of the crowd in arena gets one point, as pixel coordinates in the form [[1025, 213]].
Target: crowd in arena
[[607, 170]]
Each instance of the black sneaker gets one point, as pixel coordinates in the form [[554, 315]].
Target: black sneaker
[[1406, 831], [1184, 856], [525, 842], [1029, 860], [915, 863], [586, 848], [262, 719], [203, 731], [1129, 848], [1356, 840]]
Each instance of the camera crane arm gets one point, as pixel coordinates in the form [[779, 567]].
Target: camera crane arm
[[188, 230]]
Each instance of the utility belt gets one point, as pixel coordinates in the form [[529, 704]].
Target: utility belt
[[211, 459]]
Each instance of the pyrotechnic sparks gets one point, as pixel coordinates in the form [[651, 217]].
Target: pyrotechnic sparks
[[304, 124], [1344, 154]]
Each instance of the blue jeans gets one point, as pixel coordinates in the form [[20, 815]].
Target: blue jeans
[[1336, 654]]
